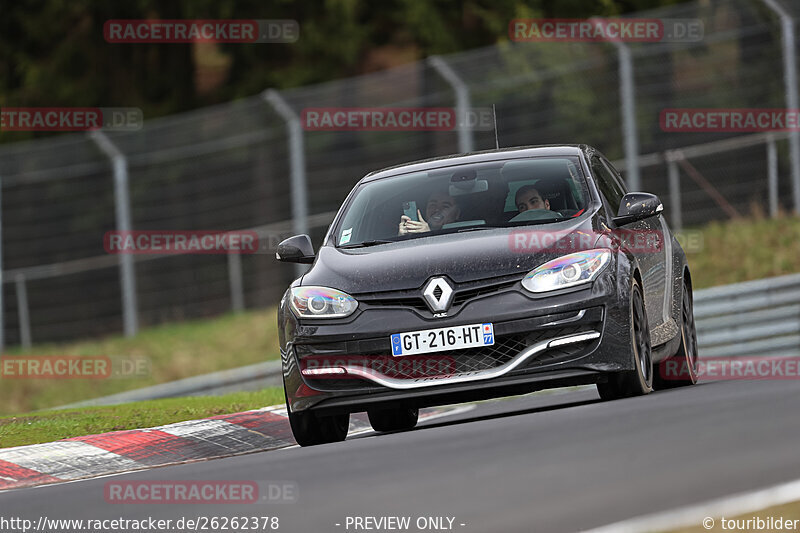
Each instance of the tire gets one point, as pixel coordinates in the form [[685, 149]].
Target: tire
[[394, 419], [680, 369], [638, 381], [310, 429]]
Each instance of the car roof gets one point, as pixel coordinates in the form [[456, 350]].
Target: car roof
[[480, 157]]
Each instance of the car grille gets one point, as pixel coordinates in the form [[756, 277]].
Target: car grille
[[456, 362], [411, 299], [414, 302], [466, 295], [478, 359]]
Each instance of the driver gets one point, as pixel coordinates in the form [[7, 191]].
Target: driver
[[441, 209], [528, 197]]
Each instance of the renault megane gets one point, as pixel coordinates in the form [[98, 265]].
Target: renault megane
[[482, 275]]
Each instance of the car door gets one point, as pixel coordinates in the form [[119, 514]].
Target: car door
[[645, 239]]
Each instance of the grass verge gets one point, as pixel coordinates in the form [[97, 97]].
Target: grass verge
[[48, 426], [174, 351], [746, 249]]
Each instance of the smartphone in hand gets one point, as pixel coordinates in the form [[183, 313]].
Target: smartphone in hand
[[410, 210]]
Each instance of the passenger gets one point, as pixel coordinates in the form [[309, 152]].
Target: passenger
[[528, 197]]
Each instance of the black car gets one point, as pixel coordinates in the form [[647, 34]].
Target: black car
[[482, 275]]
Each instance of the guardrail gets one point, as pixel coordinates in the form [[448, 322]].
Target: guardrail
[[244, 378], [752, 318]]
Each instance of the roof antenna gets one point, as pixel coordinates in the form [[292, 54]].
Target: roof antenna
[[494, 116]]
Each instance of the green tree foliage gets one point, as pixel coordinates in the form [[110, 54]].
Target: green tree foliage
[[52, 53]]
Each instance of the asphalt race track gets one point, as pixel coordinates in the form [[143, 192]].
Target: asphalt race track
[[549, 462]]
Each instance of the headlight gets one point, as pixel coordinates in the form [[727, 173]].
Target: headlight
[[568, 271], [321, 302]]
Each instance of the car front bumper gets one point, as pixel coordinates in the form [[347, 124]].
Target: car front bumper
[[565, 339]]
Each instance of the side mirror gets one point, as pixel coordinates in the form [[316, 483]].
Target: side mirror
[[297, 249], [637, 206]]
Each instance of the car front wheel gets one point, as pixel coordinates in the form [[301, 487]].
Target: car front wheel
[[311, 429], [680, 370], [638, 381]]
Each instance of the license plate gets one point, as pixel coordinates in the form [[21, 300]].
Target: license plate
[[442, 339]]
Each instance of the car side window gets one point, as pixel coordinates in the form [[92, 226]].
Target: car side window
[[619, 183], [606, 182]]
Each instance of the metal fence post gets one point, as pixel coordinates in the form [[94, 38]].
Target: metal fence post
[[297, 160], [465, 140], [628, 105], [235, 281], [627, 96], [130, 319], [2, 314], [790, 82], [22, 311], [772, 176], [674, 176]]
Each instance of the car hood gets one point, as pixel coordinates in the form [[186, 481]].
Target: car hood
[[463, 257]]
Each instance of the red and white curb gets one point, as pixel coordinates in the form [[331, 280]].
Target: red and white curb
[[194, 440]]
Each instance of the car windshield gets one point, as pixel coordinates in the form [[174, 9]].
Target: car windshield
[[515, 192]]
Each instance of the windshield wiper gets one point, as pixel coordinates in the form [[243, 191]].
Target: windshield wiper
[[477, 228], [540, 222], [367, 243]]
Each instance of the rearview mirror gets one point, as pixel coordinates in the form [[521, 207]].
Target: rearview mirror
[[466, 182], [297, 249], [637, 206]]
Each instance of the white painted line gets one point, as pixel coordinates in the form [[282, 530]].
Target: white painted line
[[449, 411], [207, 430], [359, 429], [67, 460], [206, 426], [693, 515], [268, 409]]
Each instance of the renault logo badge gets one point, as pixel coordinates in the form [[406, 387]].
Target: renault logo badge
[[438, 295]]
